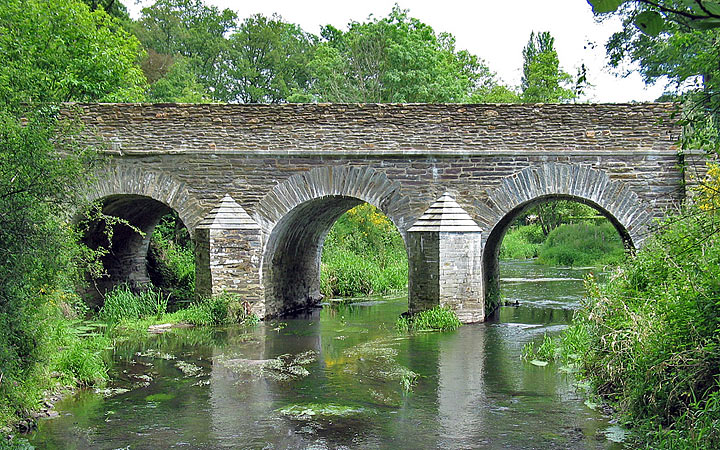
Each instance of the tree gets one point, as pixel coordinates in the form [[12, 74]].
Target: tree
[[178, 83], [266, 61], [190, 29], [113, 7], [61, 51], [50, 52], [543, 81], [394, 59]]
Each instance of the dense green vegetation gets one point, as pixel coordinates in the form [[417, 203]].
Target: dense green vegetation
[[42, 176], [171, 260], [582, 244], [125, 309], [522, 242], [565, 233], [648, 340], [363, 254]]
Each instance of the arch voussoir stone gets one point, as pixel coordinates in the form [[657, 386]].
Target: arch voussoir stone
[[363, 183], [155, 185], [295, 216], [584, 183]]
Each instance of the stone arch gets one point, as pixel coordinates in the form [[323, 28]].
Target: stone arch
[[141, 198], [118, 181], [522, 190], [296, 216]]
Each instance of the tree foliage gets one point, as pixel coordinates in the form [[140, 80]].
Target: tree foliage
[[543, 81], [266, 61], [394, 59], [50, 52], [61, 51], [178, 83], [113, 7], [188, 29]]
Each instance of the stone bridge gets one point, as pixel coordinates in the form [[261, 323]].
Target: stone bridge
[[259, 186]]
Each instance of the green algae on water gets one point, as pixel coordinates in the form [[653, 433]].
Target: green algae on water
[[319, 411]]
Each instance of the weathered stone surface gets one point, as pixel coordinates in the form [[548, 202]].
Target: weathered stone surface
[[445, 257], [233, 242], [295, 168]]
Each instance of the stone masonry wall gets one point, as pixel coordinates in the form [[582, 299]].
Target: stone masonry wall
[[245, 150], [203, 152], [423, 270], [461, 285]]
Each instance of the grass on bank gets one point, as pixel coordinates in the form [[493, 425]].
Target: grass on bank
[[580, 244], [126, 309], [648, 341]]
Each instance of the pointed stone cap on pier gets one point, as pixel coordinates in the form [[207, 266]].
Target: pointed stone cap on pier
[[447, 216], [228, 215]]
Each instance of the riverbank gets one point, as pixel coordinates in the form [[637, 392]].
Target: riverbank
[[648, 340], [574, 245]]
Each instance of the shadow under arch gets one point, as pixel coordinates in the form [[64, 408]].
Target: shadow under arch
[[630, 216], [296, 217], [141, 199]]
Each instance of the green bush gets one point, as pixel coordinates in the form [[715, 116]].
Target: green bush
[[582, 244], [217, 310], [438, 318], [363, 254], [522, 242], [649, 340], [171, 260], [39, 256]]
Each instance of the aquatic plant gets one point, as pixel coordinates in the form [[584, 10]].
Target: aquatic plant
[[439, 318], [320, 411], [374, 362], [123, 304], [546, 351], [283, 368]]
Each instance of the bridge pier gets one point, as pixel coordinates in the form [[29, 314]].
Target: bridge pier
[[228, 255], [445, 261]]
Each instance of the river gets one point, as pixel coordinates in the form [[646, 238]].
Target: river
[[344, 378]]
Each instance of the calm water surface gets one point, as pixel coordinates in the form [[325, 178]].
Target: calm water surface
[[336, 380]]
